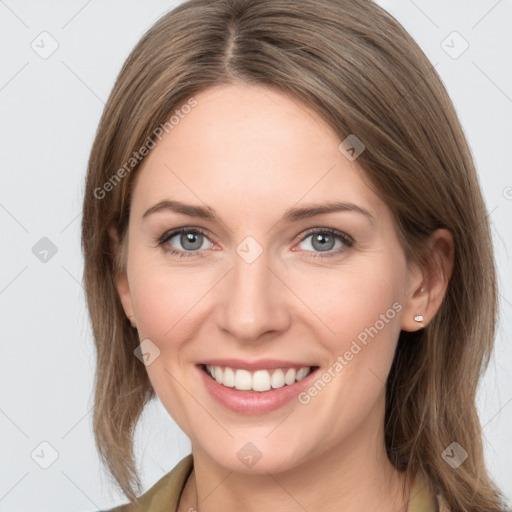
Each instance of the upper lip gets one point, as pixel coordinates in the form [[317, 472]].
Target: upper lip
[[261, 364]]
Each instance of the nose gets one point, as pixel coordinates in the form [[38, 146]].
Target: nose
[[253, 301]]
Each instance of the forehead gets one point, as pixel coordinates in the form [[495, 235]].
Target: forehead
[[247, 147]]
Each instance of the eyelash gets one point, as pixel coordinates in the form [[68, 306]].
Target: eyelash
[[346, 239]]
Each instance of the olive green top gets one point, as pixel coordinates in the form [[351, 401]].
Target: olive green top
[[165, 494]]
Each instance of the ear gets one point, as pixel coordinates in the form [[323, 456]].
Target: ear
[[427, 283], [121, 277]]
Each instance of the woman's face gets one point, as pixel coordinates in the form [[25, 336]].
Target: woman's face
[[256, 295]]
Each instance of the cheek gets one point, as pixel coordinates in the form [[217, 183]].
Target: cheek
[[349, 301], [361, 311], [165, 299], [168, 308]]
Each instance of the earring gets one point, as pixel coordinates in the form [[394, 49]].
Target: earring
[[419, 319]]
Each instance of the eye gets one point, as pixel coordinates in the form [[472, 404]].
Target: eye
[[323, 240], [192, 240]]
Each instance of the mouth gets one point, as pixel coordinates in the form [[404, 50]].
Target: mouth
[[259, 380], [255, 388]]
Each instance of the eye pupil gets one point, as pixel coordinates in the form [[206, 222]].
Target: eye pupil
[[321, 238], [191, 238]]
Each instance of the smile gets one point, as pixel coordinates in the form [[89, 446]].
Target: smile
[[259, 380], [251, 388]]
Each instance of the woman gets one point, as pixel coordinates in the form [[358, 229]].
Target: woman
[[286, 243]]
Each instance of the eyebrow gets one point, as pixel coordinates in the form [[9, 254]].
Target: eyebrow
[[293, 214]]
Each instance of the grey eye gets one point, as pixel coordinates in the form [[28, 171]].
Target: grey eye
[[189, 241], [321, 242]]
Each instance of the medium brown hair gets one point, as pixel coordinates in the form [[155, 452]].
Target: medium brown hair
[[363, 74]]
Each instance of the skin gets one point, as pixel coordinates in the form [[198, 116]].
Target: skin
[[250, 153]]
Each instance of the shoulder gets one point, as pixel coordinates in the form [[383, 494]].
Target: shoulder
[[165, 493], [441, 503], [423, 499]]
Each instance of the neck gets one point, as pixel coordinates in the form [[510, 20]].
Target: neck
[[352, 476]]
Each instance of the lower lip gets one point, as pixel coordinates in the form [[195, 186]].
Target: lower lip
[[254, 402]]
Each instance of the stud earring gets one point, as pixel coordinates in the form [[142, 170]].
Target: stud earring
[[419, 319]]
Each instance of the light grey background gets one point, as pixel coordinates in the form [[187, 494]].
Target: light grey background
[[49, 110]]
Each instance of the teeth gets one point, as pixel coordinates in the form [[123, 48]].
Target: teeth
[[301, 373], [228, 379], [289, 377], [278, 379], [242, 380], [260, 380]]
